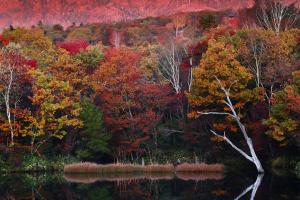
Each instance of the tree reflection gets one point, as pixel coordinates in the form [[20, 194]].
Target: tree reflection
[[253, 188]]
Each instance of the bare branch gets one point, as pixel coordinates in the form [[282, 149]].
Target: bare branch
[[216, 113], [276, 16], [253, 158], [233, 146]]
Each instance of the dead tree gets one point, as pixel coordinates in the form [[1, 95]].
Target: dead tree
[[232, 113], [170, 61], [276, 16]]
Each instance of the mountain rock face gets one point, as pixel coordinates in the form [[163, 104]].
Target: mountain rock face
[[65, 12]]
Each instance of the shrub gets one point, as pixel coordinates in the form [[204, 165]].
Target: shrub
[[34, 163]]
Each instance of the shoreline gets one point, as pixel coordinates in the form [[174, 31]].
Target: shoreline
[[93, 168]]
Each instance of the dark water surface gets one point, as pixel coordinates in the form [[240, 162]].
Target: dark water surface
[[158, 187]]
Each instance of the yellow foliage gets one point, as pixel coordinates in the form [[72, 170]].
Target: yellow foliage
[[220, 67], [55, 111]]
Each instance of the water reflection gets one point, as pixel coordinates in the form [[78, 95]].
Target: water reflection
[[149, 186], [90, 178], [253, 188]]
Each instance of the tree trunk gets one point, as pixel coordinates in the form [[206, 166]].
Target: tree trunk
[[252, 157]]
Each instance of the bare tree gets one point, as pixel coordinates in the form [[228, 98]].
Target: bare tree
[[10, 73], [117, 40], [7, 73], [277, 16], [190, 70], [232, 113], [258, 49], [179, 23], [170, 61]]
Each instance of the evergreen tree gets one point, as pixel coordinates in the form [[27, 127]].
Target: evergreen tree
[[93, 142]]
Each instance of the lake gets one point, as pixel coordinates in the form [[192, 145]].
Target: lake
[[154, 186]]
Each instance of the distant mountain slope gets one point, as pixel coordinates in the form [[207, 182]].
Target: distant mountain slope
[[30, 12], [65, 12]]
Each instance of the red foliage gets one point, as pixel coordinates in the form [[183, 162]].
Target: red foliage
[[31, 63], [231, 22], [4, 41], [195, 53], [234, 22], [22, 66], [192, 59], [74, 47], [131, 105]]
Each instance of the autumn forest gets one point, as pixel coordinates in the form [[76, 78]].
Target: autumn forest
[[200, 87]]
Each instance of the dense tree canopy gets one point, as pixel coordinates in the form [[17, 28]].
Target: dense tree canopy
[[154, 88]]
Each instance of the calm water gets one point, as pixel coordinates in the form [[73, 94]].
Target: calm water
[[138, 187]]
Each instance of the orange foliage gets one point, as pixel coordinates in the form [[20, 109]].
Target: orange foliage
[[131, 105]]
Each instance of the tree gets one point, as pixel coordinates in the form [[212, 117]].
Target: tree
[[90, 59], [74, 47], [269, 57], [93, 141], [192, 60], [179, 22], [193, 53], [69, 69], [34, 45], [220, 88], [79, 33], [13, 75], [283, 122], [170, 62], [149, 62], [131, 105], [54, 112], [277, 16]]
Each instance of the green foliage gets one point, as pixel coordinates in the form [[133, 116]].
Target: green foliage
[[90, 59], [55, 110], [34, 163], [80, 33], [40, 163], [34, 45], [284, 120], [4, 165], [94, 140], [35, 181]]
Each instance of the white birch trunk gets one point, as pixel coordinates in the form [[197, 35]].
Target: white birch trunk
[[279, 17], [252, 157], [171, 69], [7, 71]]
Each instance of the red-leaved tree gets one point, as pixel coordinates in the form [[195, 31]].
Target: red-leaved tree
[[74, 47], [132, 106]]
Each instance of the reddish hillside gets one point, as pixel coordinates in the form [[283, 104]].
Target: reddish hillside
[[30, 12]]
